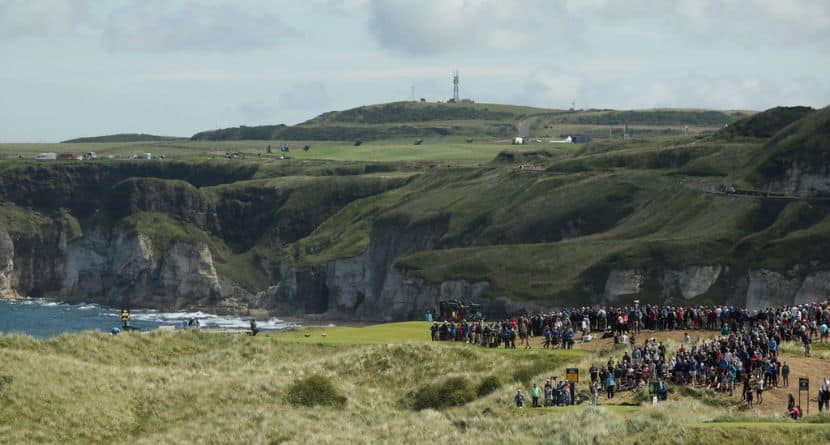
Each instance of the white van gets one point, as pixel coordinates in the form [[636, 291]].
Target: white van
[[46, 157]]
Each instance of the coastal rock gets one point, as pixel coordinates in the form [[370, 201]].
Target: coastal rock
[[769, 288], [187, 271], [370, 286], [802, 179], [622, 282], [815, 287], [689, 282], [6, 265], [120, 268]]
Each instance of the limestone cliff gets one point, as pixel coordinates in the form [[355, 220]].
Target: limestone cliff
[[121, 268], [371, 287], [801, 179], [6, 265]]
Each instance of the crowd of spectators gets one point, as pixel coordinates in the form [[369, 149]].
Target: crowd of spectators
[[743, 355], [562, 328]]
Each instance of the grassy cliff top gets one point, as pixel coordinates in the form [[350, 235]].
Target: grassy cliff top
[[403, 112]]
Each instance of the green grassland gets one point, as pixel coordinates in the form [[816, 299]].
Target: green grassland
[[174, 387], [433, 150]]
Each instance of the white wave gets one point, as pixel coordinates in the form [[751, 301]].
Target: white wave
[[206, 320], [155, 317]]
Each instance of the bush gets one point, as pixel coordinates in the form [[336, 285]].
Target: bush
[[454, 391], [315, 390], [488, 385], [5, 380]]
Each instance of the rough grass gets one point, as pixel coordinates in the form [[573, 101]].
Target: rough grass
[[213, 388], [315, 390], [454, 391]]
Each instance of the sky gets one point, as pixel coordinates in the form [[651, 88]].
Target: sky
[[74, 68]]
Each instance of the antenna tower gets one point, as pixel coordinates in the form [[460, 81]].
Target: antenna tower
[[455, 97]]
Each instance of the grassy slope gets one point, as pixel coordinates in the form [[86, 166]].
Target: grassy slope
[[806, 141], [208, 388]]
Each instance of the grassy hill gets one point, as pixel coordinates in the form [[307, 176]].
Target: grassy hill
[[804, 143], [122, 137], [658, 117], [766, 124], [416, 119], [387, 121], [402, 112], [175, 387]]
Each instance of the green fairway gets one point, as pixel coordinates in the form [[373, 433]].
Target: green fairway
[[405, 332]]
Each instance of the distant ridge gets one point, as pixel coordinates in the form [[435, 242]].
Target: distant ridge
[[765, 124], [123, 137], [389, 120], [424, 119]]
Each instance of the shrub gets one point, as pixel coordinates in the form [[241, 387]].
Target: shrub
[[315, 390], [487, 385], [5, 380], [454, 391]]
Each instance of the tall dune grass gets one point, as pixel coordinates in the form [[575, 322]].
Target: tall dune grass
[[180, 387]]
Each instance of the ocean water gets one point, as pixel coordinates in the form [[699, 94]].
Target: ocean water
[[46, 318]]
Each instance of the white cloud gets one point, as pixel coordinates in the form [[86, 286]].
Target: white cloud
[[257, 111], [433, 26], [549, 90], [305, 96], [147, 26], [339, 7], [429, 27], [41, 19]]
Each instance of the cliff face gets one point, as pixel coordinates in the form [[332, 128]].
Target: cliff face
[[801, 179], [6, 265], [46, 252], [31, 260], [175, 198], [163, 242], [389, 241], [120, 268], [370, 286]]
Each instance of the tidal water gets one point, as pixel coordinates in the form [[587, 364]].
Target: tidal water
[[45, 318]]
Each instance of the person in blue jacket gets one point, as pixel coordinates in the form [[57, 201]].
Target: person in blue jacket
[[520, 399]]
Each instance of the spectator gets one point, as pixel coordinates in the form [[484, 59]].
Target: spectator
[[520, 399], [759, 390], [610, 385], [535, 392]]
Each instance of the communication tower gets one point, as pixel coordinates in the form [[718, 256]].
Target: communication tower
[[455, 97]]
